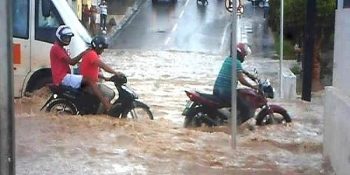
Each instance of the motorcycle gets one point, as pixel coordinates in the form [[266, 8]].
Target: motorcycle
[[209, 110], [259, 3], [203, 2], [67, 100]]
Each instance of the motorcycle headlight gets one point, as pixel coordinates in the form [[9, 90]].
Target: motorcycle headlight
[[268, 89]]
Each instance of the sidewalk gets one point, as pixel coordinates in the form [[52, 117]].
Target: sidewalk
[[118, 15]]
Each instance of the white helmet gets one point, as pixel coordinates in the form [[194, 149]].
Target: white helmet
[[64, 34]]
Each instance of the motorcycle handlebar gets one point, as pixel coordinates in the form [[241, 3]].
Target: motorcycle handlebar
[[118, 79]]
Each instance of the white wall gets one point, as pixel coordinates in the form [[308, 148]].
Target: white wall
[[336, 140], [289, 84], [337, 130], [341, 69]]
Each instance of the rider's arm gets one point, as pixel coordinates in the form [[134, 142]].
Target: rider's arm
[[108, 69], [243, 81], [100, 76], [76, 59], [252, 77]]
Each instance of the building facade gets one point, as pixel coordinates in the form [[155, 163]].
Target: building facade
[[337, 97], [77, 5]]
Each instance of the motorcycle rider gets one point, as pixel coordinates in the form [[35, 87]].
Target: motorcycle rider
[[91, 64], [223, 82], [60, 60]]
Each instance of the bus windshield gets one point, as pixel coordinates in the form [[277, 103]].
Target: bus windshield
[[70, 19]]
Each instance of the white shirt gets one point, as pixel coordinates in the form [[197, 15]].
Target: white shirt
[[103, 9], [266, 3]]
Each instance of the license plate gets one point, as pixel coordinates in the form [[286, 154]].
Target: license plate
[[187, 108]]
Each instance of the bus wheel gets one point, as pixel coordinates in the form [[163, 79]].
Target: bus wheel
[[38, 84]]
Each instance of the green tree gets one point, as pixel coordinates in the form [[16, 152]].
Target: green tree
[[294, 27]]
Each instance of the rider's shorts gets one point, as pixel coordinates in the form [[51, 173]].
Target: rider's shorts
[[72, 80]]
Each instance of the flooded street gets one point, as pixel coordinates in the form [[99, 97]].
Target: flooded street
[[48, 144]]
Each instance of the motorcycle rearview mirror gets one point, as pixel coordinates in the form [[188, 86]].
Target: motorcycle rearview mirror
[[46, 8], [256, 72]]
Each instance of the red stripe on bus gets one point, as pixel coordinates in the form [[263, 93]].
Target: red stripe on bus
[[16, 53]]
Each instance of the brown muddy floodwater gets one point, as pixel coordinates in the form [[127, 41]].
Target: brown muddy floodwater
[[66, 145]]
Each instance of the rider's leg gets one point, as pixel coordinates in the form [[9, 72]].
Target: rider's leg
[[223, 94], [244, 108], [98, 93]]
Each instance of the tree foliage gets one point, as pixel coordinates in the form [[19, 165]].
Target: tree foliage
[[294, 27], [295, 17]]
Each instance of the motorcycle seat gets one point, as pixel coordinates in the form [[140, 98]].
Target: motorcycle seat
[[62, 88], [214, 99]]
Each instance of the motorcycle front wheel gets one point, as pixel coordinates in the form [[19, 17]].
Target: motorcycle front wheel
[[62, 107], [191, 122], [138, 111], [277, 117]]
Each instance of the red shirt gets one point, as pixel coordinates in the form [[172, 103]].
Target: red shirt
[[59, 63], [89, 66]]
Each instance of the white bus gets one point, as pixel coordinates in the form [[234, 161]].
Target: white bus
[[34, 26]]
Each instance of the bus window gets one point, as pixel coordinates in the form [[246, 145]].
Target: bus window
[[45, 27], [48, 22], [20, 21], [346, 3]]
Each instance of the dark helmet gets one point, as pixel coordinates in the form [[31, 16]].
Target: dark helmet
[[243, 50], [64, 34], [99, 43]]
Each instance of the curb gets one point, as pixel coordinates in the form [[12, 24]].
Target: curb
[[127, 16]]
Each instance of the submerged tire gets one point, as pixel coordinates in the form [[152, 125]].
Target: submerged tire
[[62, 107], [263, 117], [140, 110], [191, 122], [197, 118]]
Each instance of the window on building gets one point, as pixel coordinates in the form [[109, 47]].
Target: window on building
[[20, 12], [346, 3]]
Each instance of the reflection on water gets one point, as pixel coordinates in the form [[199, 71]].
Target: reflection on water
[[47, 144]]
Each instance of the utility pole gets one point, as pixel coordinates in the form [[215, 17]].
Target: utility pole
[[7, 123], [233, 53], [281, 49], [231, 6], [308, 49]]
